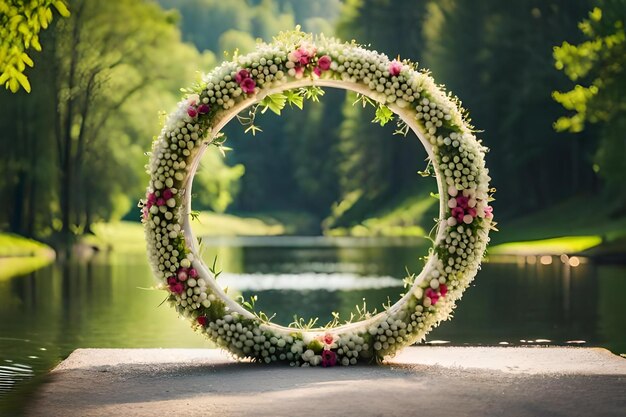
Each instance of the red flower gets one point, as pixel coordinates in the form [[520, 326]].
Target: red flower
[[324, 63], [203, 108], [443, 289], [178, 288], [458, 213], [193, 273], [160, 202], [167, 194], [202, 320], [242, 75], [191, 111], [462, 201], [248, 85], [171, 281], [432, 294], [317, 71], [329, 358]]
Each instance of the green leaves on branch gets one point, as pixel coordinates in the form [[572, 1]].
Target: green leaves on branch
[[218, 142], [601, 60], [276, 103], [295, 98], [383, 115], [20, 24]]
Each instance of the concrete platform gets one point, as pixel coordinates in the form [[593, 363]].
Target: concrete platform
[[429, 381]]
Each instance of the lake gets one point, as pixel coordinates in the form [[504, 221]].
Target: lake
[[107, 301]]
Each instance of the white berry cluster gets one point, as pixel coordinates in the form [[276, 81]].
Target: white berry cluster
[[458, 159]]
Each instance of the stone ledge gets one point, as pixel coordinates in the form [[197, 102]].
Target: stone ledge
[[436, 381]]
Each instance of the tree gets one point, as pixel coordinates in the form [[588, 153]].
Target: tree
[[216, 184], [74, 148], [598, 67], [374, 165], [236, 40], [20, 24], [497, 56]]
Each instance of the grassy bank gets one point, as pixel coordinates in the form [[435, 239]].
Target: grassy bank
[[125, 236], [19, 255], [579, 225], [583, 224], [13, 246], [406, 218]]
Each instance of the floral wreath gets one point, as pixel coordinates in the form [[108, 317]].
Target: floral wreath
[[291, 68]]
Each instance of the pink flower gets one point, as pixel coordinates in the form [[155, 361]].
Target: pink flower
[[203, 109], [328, 339], [160, 202], [167, 194], [191, 111], [299, 72], [152, 198], [193, 273], [317, 71], [462, 201], [324, 63], [395, 67], [301, 56], [248, 85], [488, 212], [178, 288], [202, 320], [171, 281], [144, 212], [458, 213], [329, 358], [242, 75], [182, 275], [443, 289], [472, 211], [432, 294]]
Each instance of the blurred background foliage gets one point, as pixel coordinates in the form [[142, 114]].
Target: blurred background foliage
[[544, 80]]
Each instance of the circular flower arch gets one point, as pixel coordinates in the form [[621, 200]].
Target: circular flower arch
[[287, 70]]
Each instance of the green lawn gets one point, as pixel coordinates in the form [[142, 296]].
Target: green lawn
[[581, 224], [125, 236], [553, 246], [19, 255], [402, 220], [13, 245]]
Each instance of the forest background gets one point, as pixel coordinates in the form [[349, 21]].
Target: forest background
[[543, 79]]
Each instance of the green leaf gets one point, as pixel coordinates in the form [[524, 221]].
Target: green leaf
[[295, 98], [61, 8], [383, 115], [274, 102], [313, 93]]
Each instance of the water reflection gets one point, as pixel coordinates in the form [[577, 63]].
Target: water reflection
[[104, 303]]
